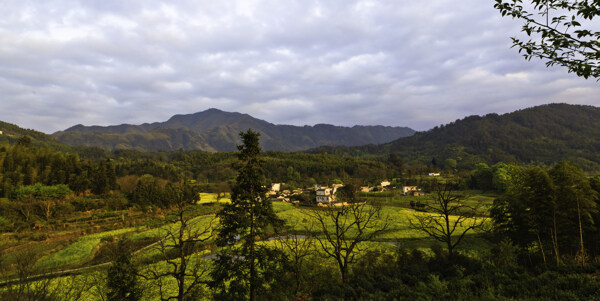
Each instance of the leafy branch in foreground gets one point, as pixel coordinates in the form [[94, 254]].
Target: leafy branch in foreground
[[557, 33]]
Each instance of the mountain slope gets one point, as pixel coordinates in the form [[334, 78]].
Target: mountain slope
[[215, 130], [543, 134], [11, 133]]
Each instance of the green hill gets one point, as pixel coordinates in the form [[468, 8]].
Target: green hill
[[11, 133], [542, 135]]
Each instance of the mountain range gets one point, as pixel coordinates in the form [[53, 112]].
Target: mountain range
[[214, 130], [541, 135]]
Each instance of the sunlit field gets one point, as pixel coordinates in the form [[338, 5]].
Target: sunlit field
[[85, 251]]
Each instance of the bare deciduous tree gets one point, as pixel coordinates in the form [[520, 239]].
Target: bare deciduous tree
[[24, 281], [298, 247], [179, 248], [447, 219], [344, 228]]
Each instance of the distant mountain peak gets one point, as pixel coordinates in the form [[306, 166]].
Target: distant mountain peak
[[213, 110], [217, 130], [76, 127]]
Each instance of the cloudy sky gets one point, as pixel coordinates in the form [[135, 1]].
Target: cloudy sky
[[399, 63]]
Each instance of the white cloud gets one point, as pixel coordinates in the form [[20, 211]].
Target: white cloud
[[402, 63]]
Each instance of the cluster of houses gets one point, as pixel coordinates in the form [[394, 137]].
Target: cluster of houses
[[276, 194], [327, 194]]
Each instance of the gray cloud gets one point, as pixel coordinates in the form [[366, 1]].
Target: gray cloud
[[416, 64]]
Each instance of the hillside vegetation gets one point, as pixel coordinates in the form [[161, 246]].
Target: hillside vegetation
[[542, 135], [214, 130]]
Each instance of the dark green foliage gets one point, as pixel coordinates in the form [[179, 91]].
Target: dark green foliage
[[37, 200], [246, 269], [482, 177], [348, 193], [557, 33], [553, 210], [122, 277], [215, 168], [526, 210], [576, 205], [104, 177], [412, 276], [20, 165]]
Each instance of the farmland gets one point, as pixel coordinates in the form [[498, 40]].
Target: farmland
[[80, 248], [89, 250]]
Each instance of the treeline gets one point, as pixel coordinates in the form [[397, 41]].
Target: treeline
[[414, 275], [25, 165], [122, 179], [553, 212], [297, 169]]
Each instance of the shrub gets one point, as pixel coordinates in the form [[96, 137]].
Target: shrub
[[5, 224]]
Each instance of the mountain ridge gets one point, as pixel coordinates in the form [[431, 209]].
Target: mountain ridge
[[216, 130], [542, 134]]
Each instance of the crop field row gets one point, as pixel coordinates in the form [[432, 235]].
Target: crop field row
[[298, 220], [396, 198]]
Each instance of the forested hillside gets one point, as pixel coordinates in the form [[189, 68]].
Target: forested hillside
[[215, 130], [542, 134], [11, 133]]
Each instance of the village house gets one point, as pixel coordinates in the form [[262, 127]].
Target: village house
[[408, 190], [326, 195]]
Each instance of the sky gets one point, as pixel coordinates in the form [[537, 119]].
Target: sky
[[395, 63]]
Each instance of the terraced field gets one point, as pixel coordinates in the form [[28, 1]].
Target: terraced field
[[82, 251]]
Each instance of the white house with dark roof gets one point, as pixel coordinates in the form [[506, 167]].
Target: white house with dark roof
[[326, 195]]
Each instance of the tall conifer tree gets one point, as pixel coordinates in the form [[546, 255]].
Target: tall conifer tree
[[243, 267]]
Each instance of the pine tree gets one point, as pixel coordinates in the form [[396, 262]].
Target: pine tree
[[242, 270]]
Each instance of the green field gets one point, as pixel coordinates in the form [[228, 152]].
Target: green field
[[208, 198], [395, 210], [298, 220]]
